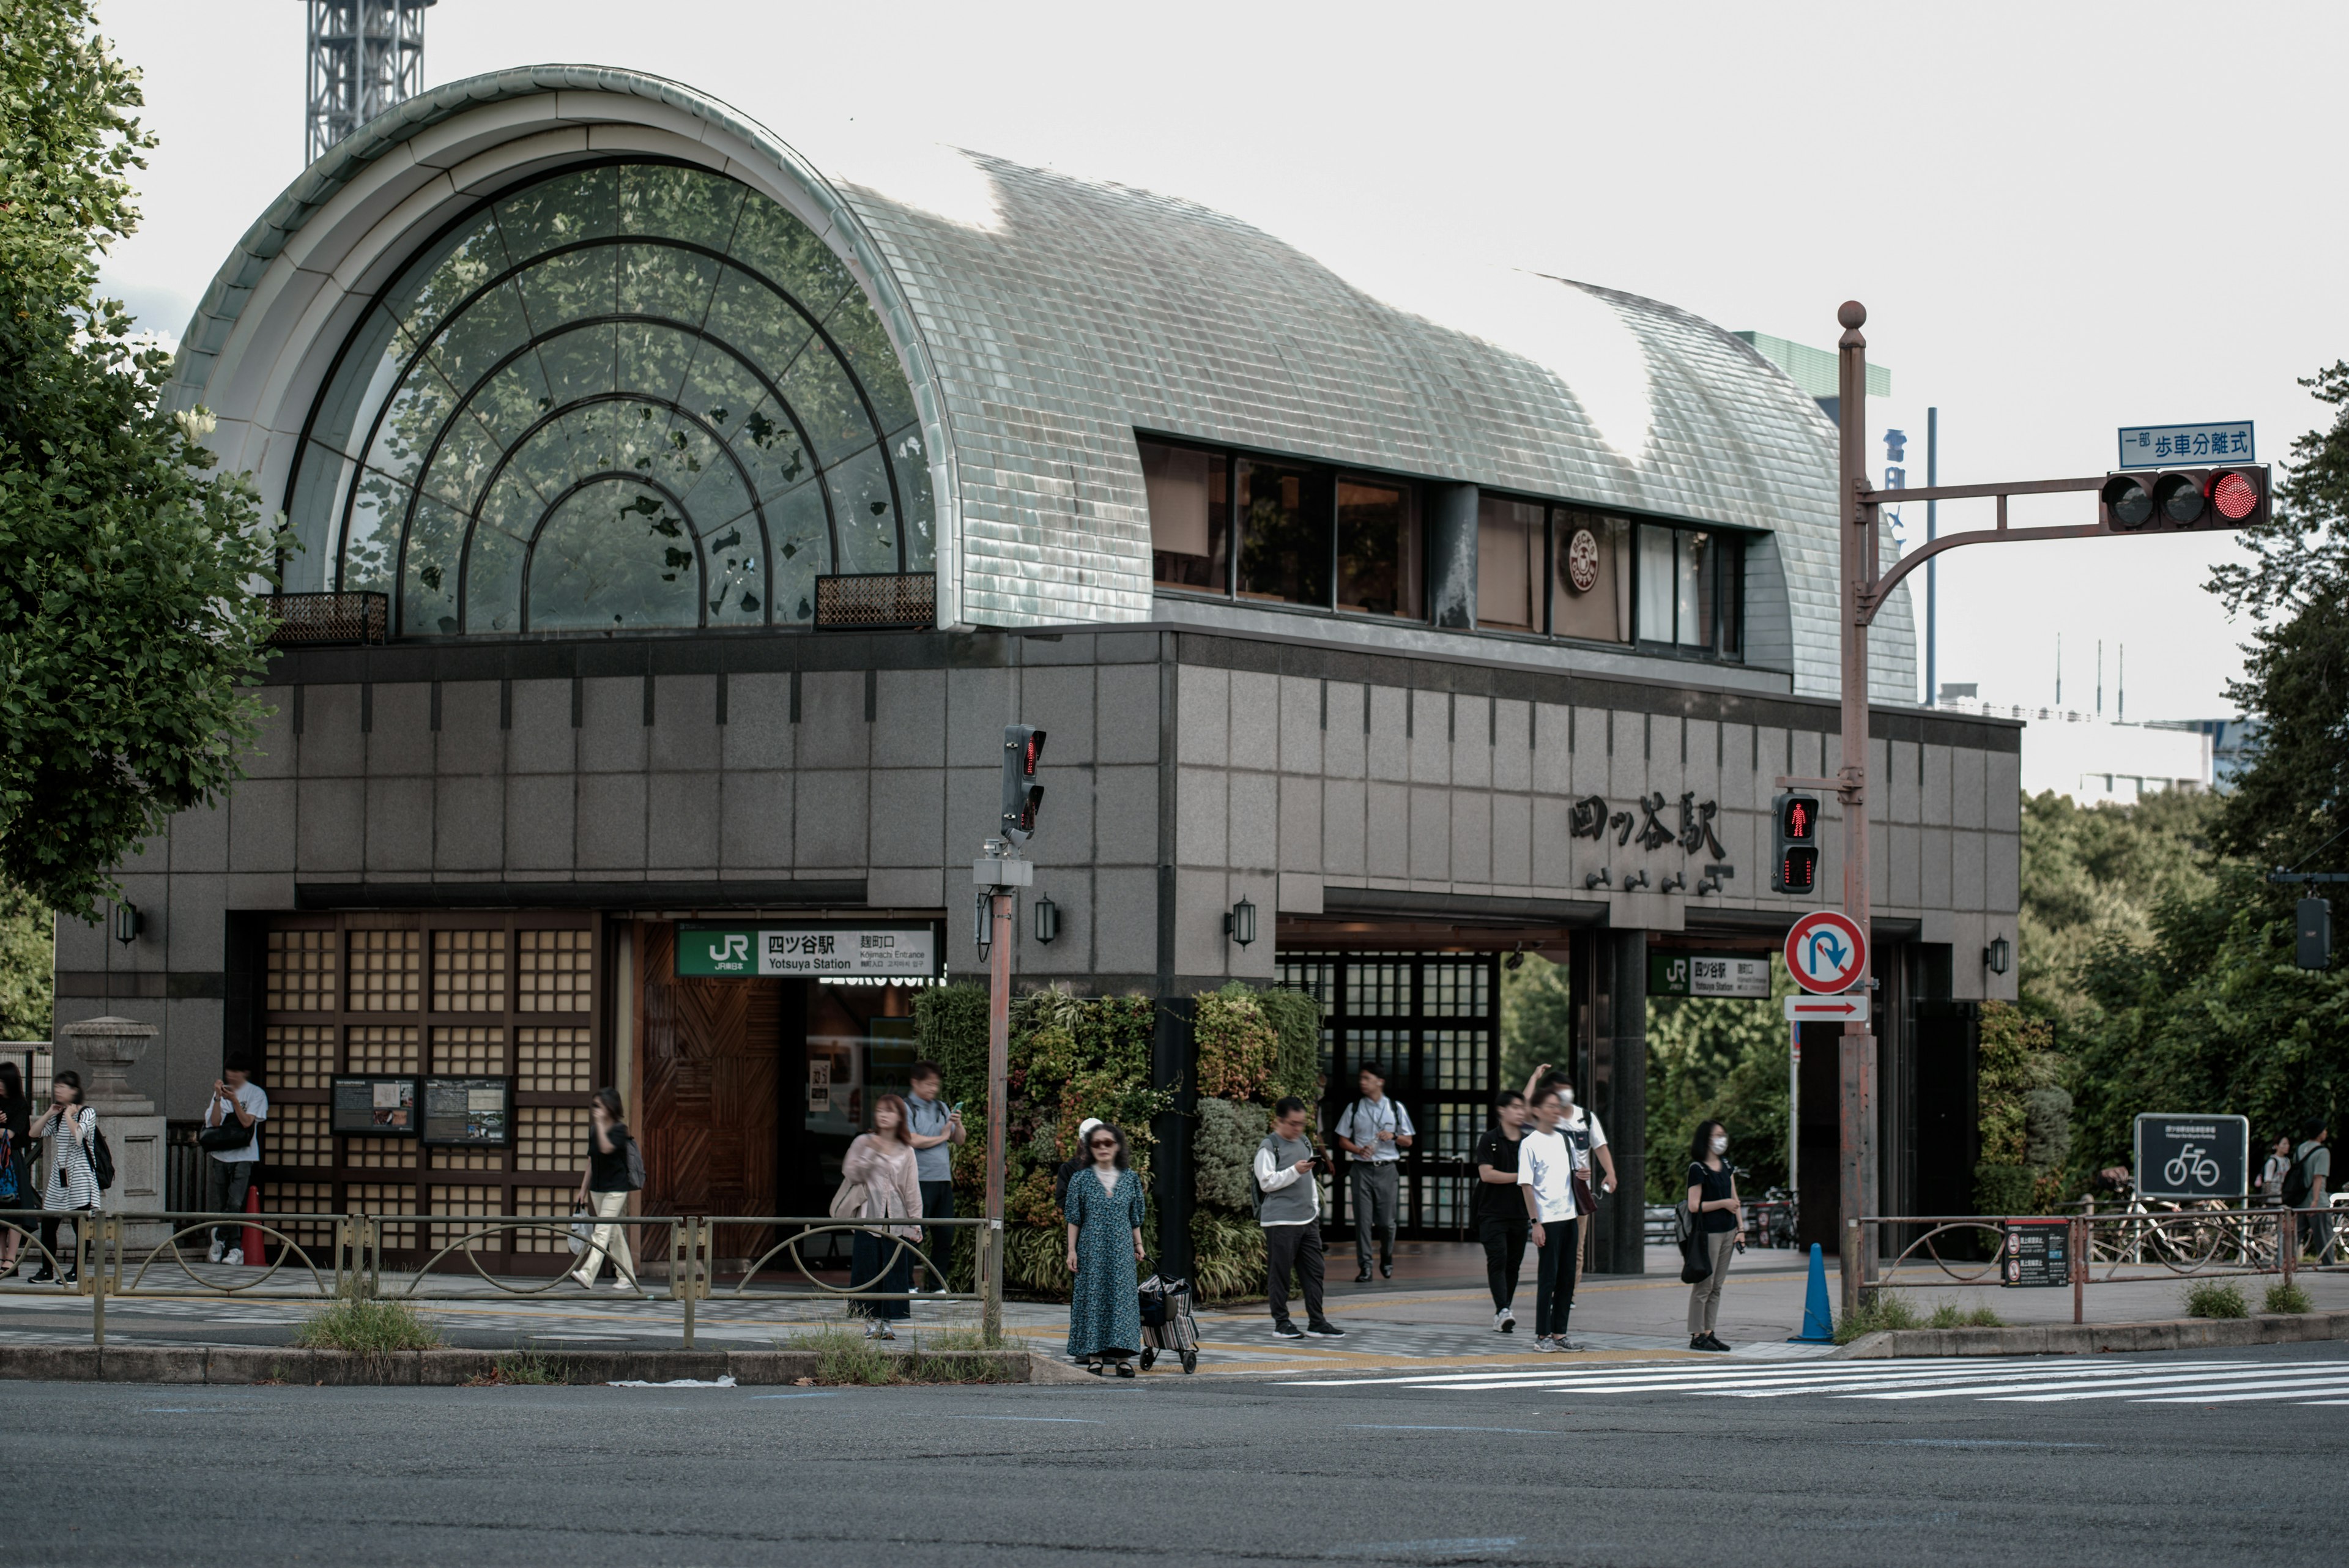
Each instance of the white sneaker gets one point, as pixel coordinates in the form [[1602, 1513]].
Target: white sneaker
[[235, 1259], [1547, 1344], [1504, 1321], [627, 1287], [886, 1332], [218, 1249]]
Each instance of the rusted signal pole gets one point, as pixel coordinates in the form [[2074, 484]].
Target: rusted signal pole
[[1865, 591]]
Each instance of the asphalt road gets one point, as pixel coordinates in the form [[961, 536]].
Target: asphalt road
[[1178, 1473]]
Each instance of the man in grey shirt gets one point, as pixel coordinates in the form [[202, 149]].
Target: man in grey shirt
[[1288, 1207], [933, 1128], [1375, 1130]]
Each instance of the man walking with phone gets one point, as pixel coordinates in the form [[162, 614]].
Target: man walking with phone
[[1375, 1130], [933, 1128], [238, 1104]]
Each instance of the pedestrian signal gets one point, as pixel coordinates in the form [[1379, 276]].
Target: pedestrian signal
[[1794, 844], [1023, 747], [2177, 500]]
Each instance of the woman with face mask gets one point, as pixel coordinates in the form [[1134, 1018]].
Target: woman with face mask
[[1713, 1199]]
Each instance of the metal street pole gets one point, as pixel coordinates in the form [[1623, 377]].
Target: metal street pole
[[1932, 582], [1856, 1062], [999, 1074]]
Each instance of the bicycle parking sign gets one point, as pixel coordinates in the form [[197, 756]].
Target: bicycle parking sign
[[2181, 1156]]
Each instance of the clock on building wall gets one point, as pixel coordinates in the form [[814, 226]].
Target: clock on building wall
[[1582, 560]]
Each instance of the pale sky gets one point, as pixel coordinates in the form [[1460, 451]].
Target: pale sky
[[2063, 218]]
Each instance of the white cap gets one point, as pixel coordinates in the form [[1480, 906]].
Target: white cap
[[1085, 1128]]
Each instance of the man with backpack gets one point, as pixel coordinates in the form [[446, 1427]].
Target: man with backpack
[[2304, 1185], [1289, 1207], [1375, 1130]]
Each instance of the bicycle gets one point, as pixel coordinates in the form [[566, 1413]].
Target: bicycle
[[2190, 1160]]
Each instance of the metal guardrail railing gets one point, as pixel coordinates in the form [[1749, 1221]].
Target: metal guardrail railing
[[326, 1257], [2129, 1245]]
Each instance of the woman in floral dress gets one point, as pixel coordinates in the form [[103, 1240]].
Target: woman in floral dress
[[1104, 1213]]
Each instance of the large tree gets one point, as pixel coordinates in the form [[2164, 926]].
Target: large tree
[[128, 626]]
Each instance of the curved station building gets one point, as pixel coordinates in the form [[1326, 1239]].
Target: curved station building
[[679, 527]]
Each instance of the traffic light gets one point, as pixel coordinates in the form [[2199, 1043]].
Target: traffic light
[[1794, 844], [2313, 934], [1023, 747], [2179, 498]]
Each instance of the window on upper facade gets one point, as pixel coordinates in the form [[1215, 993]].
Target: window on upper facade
[[623, 396], [1592, 598], [1691, 588], [1381, 554], [1190, 517], [1510, 542], [1284, 552]]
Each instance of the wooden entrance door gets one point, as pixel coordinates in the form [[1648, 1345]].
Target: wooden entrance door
[[712, 1090]]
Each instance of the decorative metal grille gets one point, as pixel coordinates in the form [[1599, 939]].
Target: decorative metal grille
[[309, 619], [871, 600]]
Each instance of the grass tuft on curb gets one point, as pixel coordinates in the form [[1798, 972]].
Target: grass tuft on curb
[[2216, 1298], [2286, 1296], [844, 1355], [1880, 1311], [366, 1325], [520, 1367], [1950, 1315]]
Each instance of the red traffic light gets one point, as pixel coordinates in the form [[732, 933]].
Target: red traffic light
[[1794, 844], [2186, 498]]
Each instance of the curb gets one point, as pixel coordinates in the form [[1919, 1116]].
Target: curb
[[2085, 1339], [443, 1368]]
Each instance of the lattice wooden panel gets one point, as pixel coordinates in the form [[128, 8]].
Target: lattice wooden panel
[[469, 1159], [555, 970], [299, 971], [551, 1137], [386, 970], [384, 1198], [554, 1200], [381, 1048], [298, 1055], [299, 1135], [305, 1197], [469, 1051], [469, 971], [456, 1200], [380, 1153], [553, 1061]]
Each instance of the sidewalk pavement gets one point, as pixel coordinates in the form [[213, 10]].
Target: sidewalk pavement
[[1434, 1314]]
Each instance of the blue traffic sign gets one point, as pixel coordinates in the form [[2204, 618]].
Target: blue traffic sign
[[2178, 446]]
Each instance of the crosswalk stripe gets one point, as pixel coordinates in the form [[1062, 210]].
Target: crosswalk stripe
[[2026, 1380]]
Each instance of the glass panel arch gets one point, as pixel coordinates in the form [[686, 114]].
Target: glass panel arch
[[629, 395]]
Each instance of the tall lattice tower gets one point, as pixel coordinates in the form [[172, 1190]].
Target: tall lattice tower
[[365, 57]]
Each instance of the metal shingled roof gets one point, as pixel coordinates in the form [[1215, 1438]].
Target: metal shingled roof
[[1046, 318]]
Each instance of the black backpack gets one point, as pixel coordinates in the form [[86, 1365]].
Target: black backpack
[[2295, 1180], [101, 1163]]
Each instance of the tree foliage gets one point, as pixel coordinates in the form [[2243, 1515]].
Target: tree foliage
[[127, 626], [2095, 874]]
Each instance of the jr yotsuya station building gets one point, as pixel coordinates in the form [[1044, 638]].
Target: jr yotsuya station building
[[681, 524]]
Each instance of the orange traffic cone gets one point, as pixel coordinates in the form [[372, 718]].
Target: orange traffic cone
[[251, 1242]]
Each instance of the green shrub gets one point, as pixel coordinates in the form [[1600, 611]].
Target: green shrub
[[1296, 1020], [2004, 1189], [525, 1367], [1950, 1315], [366, 1325], [1879, 1310], [2286, 1296], [1237, 1045], [2216, 1298], [845, 1355], [1226, 1256], [1223, 1153]]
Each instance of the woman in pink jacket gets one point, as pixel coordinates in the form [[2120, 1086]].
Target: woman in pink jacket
[[881, 1162]]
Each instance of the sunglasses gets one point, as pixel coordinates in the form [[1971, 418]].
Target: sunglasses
[[1105, 1143]]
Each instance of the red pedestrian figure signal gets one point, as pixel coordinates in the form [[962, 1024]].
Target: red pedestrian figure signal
[[1023, 748], [1795, 845]]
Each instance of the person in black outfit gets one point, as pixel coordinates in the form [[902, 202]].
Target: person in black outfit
[[1713, 1199], [1501, 1218], [608, 1177]]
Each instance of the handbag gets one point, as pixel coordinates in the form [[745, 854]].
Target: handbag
[[230, 1135], [582, 1231], [848, 1203], [8, 1164], [1696, 1251]]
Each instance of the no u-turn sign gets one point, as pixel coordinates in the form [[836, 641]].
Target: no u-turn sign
[[1825, 952]]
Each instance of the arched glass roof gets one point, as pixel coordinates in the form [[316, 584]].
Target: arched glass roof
[[626, 396]]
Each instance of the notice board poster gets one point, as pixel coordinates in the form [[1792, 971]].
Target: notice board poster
[[475, 1111], [2037, 1252], [372, 1106]]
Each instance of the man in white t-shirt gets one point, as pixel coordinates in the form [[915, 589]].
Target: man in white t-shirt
[[1580, 1129], [228, 1175], [1546, 1175], [1375, 1130]]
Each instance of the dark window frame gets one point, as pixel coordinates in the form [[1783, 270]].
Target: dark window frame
[[1729, 586]]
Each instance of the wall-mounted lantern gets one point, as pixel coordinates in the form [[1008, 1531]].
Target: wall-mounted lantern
[[1048, 920], [1998, 955], [1240, 926], [127, 923]]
